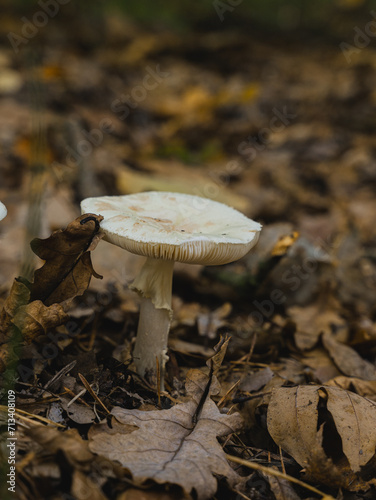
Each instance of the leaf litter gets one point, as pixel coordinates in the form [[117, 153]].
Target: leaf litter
[[168, 446], [300, 367]]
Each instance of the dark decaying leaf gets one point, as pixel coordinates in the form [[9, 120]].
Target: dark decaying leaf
[[169, 446], [68, 268]]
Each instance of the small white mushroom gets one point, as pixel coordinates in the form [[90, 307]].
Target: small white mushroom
[[169, 227], [3, 211]]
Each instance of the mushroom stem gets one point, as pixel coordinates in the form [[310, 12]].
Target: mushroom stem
[[151, 341], [154, 283]]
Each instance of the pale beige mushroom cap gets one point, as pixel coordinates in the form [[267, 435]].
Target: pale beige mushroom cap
[[3, 211], [174, 226]]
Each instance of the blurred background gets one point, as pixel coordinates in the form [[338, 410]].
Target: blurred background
[[268, 106]]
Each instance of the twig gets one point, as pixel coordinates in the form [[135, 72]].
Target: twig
[[91, 392], [223, 399], [277, 473], [76, 396]]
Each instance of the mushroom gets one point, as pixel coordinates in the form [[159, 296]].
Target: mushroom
[[168, 227], [3, 211]]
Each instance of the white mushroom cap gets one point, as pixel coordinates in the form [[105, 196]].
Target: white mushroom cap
[[174, 226], [3, 211]]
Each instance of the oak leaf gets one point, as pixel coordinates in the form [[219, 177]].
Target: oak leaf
[[67, 270], [176, 446]]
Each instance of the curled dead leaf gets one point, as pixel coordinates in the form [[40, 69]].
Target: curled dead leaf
[[36, 319], [67, 270], [34, 308]]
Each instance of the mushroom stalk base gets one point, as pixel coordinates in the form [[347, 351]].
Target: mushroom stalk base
[[154, 283], [151, 342]]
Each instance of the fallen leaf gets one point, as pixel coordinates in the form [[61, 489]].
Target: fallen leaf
[[78, 413], [365, 388], [83, 487], [347, 360], [69, 442], [293, 420], [314, 319], [254, 381], [284, 243], [282, 489], [355, 420], [168, 446], [37, 319], [323, 368], [19, 295], [33, 309], [67, 270]]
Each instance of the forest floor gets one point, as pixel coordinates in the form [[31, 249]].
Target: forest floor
[[283, 132]]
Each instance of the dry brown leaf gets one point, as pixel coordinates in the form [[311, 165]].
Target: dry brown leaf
[[281, 488], [314, 319], [254, 381], [37, 319], [83, 487], [284, 243], [19, 295], [292, 419], [69, 442], [77, 412], [365, 388], [293, 422], [355, 420], [67, 270], [31, 320], [322, 469], [34, 308], [347, 360], [177, 446], [321, 364]]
